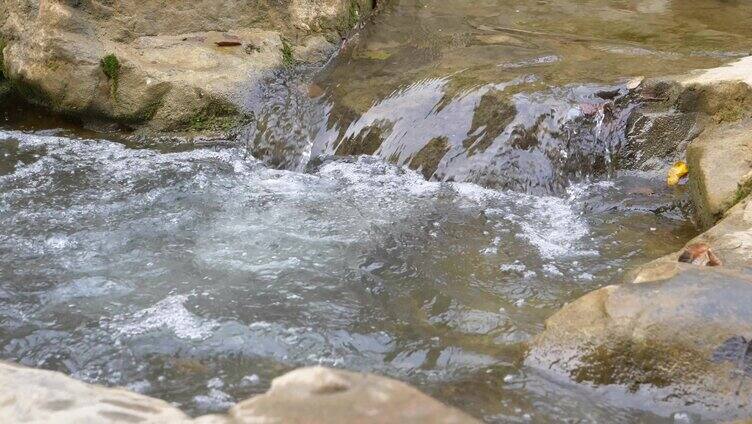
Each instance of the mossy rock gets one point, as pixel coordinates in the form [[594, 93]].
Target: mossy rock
[[427, 160], [216, 117], [111, 67]]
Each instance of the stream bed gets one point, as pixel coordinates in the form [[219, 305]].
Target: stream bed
[[417, 210]]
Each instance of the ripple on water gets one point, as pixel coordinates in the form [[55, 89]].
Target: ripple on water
[[163, 270]]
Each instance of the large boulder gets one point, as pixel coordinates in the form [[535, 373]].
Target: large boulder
[[679, 341], [177, 65], [308, 395]]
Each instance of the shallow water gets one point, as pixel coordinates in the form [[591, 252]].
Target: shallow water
[[184, 275], [197, 275]]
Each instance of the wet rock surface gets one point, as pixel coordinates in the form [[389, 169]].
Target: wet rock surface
[[730, 240], [307, 395], [669, 340], [676, 335], [199, 265]]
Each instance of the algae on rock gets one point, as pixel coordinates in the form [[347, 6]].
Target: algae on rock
[[111, 68]]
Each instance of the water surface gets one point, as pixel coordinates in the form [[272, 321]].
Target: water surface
[[198, 276]]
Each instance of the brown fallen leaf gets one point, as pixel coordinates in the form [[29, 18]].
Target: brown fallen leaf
[[228, 43], [699, 254]]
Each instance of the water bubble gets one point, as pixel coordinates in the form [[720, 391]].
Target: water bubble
[[250, 380]]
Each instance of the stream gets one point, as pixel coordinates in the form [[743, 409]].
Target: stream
[[417, 209]]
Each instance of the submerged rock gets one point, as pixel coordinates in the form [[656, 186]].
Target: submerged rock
[[667, 339], [730, 240], [308, 395]]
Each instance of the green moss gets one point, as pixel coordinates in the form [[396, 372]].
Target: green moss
[[374, 55], [729, 112], [202, 123], [348, 21], [742, 191], [111, 68], [288, 59], [364, 143], [494, 113]]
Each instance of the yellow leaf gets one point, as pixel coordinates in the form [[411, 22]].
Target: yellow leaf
[[676, 173]]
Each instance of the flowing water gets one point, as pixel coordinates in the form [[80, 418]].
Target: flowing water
[[198, 274]]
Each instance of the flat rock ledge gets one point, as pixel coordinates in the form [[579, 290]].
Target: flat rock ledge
[[307, 395]]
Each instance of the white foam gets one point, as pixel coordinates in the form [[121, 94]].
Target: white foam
[[215, 400], [169, 313]]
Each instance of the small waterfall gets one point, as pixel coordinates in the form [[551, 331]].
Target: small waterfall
[[536, 142]]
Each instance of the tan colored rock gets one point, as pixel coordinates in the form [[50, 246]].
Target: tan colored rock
[[740, 70], [308, 395], [670, 340], [185, 65], [29, 395], [720, 163], [320, 395], [309, 13]]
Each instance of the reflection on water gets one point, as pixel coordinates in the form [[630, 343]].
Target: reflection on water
[[198, 276]]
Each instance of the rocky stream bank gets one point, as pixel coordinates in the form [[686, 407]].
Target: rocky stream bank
[[674, 334], [677, 331], [164, 66]]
